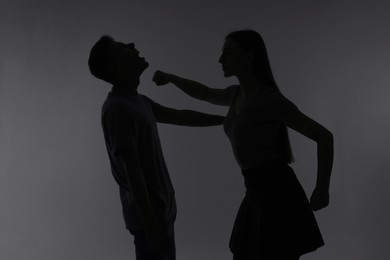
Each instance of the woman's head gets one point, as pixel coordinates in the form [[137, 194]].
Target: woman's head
[[249, 52]]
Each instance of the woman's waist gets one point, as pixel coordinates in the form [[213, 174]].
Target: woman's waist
[[265, 166], [268, 175], [250, 159]]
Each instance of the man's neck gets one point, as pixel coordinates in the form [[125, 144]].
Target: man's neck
[[124, 89]]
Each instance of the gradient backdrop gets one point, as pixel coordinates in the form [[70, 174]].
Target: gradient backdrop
[[58, 199]]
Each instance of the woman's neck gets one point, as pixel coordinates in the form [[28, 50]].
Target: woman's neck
[[250, 84]]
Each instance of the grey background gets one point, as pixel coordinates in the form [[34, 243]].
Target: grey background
[[58, 199]]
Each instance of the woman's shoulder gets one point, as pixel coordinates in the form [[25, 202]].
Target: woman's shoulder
[[232, 88], [271, 93], [274, 96], [266, 97], [276, 103]]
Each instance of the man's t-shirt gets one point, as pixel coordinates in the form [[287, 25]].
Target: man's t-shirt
[[129, 122]]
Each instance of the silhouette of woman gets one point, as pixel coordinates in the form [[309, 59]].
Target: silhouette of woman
[[275, 219]]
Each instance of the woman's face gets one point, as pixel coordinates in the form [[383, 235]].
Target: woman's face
[[234, 59]]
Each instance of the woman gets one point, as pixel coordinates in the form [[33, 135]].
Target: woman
[[275, 219]]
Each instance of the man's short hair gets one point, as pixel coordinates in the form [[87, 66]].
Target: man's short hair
[[99, 59]]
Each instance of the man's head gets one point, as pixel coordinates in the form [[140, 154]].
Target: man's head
[[116, 62]]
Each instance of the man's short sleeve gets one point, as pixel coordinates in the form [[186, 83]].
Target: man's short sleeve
[[154, 105], [121, 130], [158, 110]]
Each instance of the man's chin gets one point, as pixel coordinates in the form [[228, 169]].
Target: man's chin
[[226, 75], [144, 67]]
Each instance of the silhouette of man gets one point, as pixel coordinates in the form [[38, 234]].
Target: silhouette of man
[[134, 149]]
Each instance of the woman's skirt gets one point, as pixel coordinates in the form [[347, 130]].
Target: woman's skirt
[[275, 217]]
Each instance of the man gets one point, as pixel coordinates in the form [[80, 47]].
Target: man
[[134, 149]]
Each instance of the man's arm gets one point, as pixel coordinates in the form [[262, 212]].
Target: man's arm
[[156, 235]]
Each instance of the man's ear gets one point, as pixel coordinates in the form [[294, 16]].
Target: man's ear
[[113, 69]]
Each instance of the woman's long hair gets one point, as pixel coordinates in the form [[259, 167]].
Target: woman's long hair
[[250, 40]]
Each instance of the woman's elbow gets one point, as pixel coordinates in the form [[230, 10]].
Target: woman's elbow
[[326, 137]]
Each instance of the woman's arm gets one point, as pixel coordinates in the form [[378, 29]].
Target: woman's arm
[[194, 89], [187, 117], [184, 117], [324, 139]]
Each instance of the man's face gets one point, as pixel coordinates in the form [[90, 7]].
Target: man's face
[[125, 59]]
